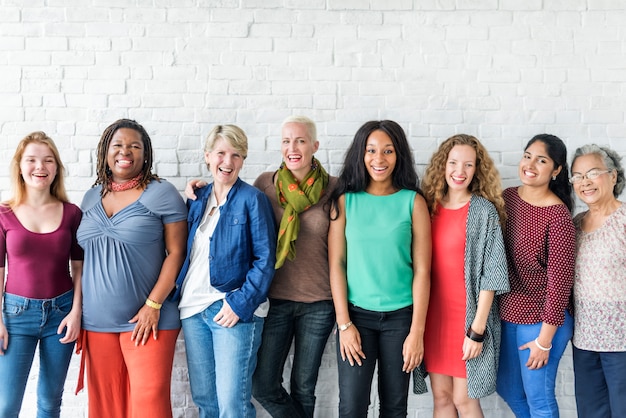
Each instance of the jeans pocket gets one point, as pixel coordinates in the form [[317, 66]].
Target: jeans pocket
[[64, 308], [12, 310]]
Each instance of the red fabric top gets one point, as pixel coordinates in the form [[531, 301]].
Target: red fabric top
[[540, 248], [38, 264], [445, 322]]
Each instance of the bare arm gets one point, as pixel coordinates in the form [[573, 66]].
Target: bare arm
[[147, 319], [73, 318], [4, 335], [349, 339], [413, 348]]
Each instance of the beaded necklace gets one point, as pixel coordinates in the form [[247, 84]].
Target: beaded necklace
[[120, 187]]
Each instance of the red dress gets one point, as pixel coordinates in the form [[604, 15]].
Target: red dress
[[445, 323]]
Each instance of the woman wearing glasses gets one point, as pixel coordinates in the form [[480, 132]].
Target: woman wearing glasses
[[600, 284]]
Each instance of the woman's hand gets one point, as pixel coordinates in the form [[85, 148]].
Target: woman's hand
[[192, 185], [471, 349], [4, 339], [538, 357], [147, 321], [350, 345], [226, 317], [72, 323], [412, 352]]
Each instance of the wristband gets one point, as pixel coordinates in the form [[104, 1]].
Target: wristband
[[474, 336], [153, 304]]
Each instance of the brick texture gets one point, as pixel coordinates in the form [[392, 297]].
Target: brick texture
[[501, 70]]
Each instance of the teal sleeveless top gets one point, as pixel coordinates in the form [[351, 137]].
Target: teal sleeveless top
[[378, 250]]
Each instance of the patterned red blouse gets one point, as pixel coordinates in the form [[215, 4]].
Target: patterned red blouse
[[540, 248]]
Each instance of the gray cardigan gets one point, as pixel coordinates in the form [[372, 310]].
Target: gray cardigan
[[485, 269]]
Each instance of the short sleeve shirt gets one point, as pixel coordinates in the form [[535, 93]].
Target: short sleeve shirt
[[124, 255]]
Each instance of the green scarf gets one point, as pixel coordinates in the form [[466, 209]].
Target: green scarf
[[296, 198]]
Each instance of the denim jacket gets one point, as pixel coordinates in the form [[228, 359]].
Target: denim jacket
[[243, 246]]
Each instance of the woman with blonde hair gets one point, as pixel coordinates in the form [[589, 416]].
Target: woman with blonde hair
[[462, 337], [42, 295], [301, 307], [225, 279]]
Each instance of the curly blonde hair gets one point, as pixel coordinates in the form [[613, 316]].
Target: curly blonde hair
[[486, 182]]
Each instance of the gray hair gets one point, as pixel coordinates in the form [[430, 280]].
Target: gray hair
[[611, 160]]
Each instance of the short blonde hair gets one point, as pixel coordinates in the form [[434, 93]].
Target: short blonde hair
[[232, 134], [57, 188], [308, 123]]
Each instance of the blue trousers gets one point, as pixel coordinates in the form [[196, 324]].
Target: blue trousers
[[30, 322], [600, 383], [530, 393], [221, 362], [308, 325]]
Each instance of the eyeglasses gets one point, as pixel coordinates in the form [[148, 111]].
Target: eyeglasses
[[590, 175]]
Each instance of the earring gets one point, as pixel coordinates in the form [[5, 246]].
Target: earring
[[553, 178], [108, 171]]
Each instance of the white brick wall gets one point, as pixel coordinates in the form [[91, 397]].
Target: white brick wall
[[502, 70]]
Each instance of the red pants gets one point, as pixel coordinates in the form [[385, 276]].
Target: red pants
[[124, 380]]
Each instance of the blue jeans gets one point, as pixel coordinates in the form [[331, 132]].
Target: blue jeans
[[530, 393], [221, 362], [382, 338], [600, 383], [30, 322], [310, 325]]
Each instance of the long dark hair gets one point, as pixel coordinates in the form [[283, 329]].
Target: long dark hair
[[102, 169], [557, 151], [354, 176]]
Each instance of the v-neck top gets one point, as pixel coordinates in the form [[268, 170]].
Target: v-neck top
[[540, 248], [123, 256]]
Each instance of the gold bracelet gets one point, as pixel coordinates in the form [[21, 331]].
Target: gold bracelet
[[153, 304]]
